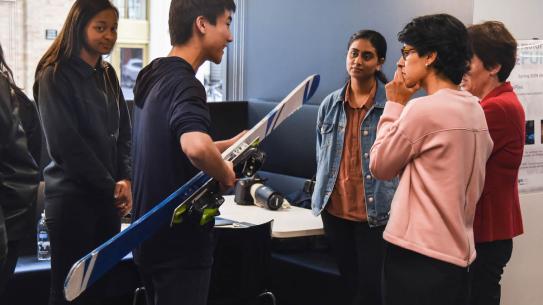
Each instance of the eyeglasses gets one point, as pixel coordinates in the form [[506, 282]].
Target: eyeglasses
[[406, 51]]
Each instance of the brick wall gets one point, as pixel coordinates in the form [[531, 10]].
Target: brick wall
[[40, 15], [23, 24], [11, 38]]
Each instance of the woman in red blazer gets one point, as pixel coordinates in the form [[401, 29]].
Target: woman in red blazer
[[497, 217]]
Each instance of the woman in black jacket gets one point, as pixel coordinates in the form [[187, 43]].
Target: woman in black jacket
[[87, 128], [18, 174]]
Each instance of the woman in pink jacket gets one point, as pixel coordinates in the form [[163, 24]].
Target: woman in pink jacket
[[439, 145]]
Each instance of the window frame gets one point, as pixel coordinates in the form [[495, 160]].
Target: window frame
[[126, 9]]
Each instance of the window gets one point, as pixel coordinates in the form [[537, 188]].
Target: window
[[223, 84], [132, 9], [131, 64], [213, 77], [128, 60], [131, 51]]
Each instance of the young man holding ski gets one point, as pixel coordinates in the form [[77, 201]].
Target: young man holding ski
[[171, 143]]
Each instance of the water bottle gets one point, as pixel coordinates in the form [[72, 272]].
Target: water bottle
[[44, 250]]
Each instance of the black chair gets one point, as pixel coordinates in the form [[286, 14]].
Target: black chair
[[139, 296], [240, 274]]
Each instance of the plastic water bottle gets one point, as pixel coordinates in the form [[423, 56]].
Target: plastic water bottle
[[44, 250]]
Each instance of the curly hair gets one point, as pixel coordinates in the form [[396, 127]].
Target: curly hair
[[445, 35]]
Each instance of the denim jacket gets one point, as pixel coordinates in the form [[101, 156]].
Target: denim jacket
[[331, 122]]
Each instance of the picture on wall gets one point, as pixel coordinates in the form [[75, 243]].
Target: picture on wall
[[530, 137], [527, 81]]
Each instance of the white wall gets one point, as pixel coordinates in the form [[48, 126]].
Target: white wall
[[287, 40], [159, 44], [522, 17], [523, 276]]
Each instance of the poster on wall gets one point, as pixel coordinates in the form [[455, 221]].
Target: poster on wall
[[527, 80]]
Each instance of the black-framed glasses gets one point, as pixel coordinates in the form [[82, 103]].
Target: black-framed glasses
[[406, 51]]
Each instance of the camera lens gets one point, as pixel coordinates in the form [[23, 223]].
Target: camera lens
[[268, 197], [275, 202]]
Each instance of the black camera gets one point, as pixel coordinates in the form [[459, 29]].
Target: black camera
[[252, 190]]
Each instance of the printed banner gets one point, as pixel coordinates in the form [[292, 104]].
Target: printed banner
[[527, 80]]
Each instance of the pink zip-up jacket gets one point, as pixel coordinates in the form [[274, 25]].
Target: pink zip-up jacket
[[439, 145]]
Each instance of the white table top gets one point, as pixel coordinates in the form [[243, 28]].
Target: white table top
[[287, 223], [291, 222]]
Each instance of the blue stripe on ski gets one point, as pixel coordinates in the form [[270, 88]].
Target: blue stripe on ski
[[270, 118], [276, 118], [161, 214], [314, 84], [305, 93]]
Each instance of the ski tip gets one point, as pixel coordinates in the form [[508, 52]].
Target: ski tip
[[74, 280], [311, 87]]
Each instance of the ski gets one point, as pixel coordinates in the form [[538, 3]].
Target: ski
[[199, 194]]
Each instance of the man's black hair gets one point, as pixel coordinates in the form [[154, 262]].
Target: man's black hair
[[183, 13]]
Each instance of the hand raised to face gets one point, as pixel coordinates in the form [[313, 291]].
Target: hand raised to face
[[397, 91]]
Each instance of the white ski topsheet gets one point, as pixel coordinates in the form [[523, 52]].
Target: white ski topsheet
[[282, 111]]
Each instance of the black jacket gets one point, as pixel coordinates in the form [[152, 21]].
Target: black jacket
[[87, 128], [18, 172], [30, 119]]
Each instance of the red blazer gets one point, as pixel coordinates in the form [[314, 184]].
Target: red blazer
[[497, 215]]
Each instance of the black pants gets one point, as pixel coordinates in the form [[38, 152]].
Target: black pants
[[173, 285], [486, 271], [7, 265], [76, 226], [410, 278], [359, 254]]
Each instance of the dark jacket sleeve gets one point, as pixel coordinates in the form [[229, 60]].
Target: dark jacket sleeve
[[124, 142], [3, 236], [66, 145], [7, 128], [6, 134], [30, 119], [189, 111], [18, 172]]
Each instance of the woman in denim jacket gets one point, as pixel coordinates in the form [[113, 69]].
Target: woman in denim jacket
[[354, 206]]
